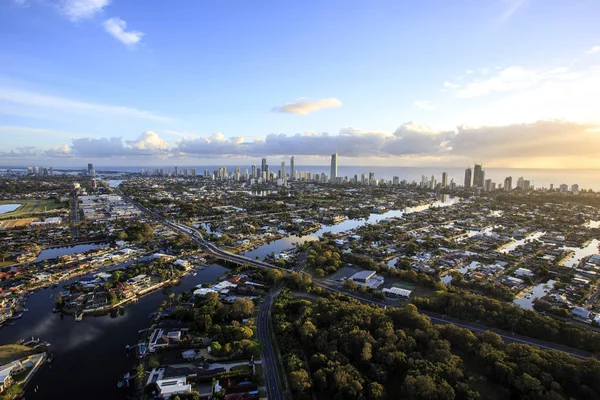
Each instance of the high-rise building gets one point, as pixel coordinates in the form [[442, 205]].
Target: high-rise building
[[520, 183], [508, 184], [478, 176], [526, 185], [90, 168], [334, 167], [468, 175], [292, 169], [488, 185], [194, 172], [254, 175], [575, 188], [282, 171], [444, 179]]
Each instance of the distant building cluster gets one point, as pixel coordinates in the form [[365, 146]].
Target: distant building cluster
[[106, 207]]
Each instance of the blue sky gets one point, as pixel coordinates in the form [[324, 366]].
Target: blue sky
[[378, 81]]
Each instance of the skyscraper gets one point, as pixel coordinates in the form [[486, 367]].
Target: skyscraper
[[334, 168], [508, 184], [292, 170], [468, 175], [478, 176], [90, 168], [282, 171], [444, 179]]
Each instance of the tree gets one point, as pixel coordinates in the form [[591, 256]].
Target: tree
[[375, 391], [300, 381], [242, 308], [139, 373], [111, 297], [350, 285]]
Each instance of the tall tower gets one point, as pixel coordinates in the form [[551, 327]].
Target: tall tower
[[508, 184], [478, 176], [90, 168], [282, 171], [334, 167], [292, 169], [444, 179], [468, 175]]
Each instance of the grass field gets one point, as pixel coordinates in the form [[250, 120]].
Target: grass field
[[11, 352], [29, 207]]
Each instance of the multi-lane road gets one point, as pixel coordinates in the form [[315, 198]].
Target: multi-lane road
[[269, 355]]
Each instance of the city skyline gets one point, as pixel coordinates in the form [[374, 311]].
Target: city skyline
[[120, 90]]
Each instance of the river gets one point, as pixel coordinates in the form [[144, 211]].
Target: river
[[280, 245], [89, 355]]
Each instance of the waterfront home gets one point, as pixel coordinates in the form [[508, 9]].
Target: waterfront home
[[172, 387], [7, 371], [138, 282]]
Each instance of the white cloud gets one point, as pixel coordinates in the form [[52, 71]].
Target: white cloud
[[510, 79], [59, 152], [69, 106], [425, 105], [149, 141], [116, 28], [303, 107], [147, 144], [513, 7], [450, 85], [558, 93], [593, 50], [77, 10]]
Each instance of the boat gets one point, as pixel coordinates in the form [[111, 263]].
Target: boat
[[194, 274], [78, 317], [17, 316], [25, 309]]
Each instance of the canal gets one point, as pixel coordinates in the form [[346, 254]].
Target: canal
[[286, 243], [89, 356]]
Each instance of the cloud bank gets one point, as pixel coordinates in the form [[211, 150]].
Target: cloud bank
[[518, 144], [303, 107]]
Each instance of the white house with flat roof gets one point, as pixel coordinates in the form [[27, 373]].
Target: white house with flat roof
[[172, 387]]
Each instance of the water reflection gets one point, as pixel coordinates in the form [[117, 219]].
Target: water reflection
[[581, 252], [6, 208], [90, 353], [288, 242], [61, 251], [534, 293]]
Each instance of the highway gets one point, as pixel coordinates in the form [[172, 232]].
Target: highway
[[269, 356], [436, 318]]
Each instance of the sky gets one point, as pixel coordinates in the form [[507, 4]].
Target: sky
[[509, 83]]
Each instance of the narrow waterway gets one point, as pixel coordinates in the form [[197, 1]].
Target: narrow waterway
[[280, 245], [89, 355]]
